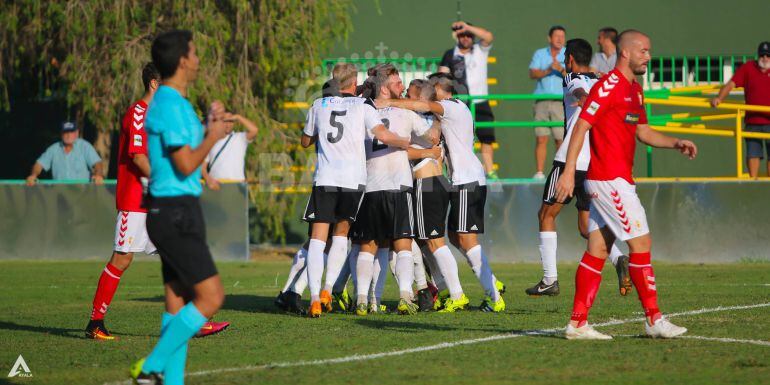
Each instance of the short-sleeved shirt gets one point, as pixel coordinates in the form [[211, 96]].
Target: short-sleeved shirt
[[572, 82], [541, 60], [171, 123], [756, 89], [387, 168], [342, 124], [457, 128], [230, 163], [614, 108], [75, 165], [133, 141], [603, 63], [469, 68]]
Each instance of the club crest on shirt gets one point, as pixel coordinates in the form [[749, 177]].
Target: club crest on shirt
[[137, 140]]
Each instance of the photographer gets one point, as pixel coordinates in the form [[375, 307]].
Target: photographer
[[467, 62]]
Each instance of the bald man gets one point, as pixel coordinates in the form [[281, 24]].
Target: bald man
[[614, 112]]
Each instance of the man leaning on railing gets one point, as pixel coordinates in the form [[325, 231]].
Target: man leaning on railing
[[71, 158], [754, 77]]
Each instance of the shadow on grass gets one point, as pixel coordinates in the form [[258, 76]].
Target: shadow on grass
[[238, 302], [62, 332]]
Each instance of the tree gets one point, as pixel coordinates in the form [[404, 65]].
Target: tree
[[90, 53]]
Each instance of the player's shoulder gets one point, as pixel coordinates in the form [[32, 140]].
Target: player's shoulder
[[607, 85]]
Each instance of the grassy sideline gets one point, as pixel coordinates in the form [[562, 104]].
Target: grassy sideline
[[45, 306]]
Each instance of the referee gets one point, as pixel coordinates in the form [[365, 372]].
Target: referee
[[177, 148]]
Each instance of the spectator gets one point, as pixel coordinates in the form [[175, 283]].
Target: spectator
[[754, 77], [227, 159], [467, 62], [604, 59], [547, 67], [70, 159]]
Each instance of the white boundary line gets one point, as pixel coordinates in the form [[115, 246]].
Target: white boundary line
[[714, 339], [446, 345]]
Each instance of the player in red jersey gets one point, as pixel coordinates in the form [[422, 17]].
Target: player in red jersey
[[614, 111], [130, 231]]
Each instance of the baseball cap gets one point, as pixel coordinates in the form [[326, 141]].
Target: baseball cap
[[68, 127], [764, 48]]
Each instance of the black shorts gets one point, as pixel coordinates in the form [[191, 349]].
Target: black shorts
[[582, 198], [384, 215], [331, 204], [484, 113], [176, 228], [431, 198], [466, 211]]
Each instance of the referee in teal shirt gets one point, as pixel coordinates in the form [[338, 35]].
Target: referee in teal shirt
[[177, 147]]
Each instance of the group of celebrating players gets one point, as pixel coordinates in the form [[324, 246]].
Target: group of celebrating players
[[394, 176], [380, 183]]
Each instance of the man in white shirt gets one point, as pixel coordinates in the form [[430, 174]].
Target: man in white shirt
[[339, 127], [386, 216], [469, 190], [226, 160], [577, 84], [467, 63]]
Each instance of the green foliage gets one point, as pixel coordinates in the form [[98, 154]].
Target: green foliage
[[91, 52]]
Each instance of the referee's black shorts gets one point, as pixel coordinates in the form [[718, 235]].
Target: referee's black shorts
[[176, 228]]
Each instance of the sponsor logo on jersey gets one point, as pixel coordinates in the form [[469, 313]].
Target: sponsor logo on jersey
[[592, 108], [632, 118]]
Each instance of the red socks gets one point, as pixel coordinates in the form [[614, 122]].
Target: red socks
[[587, 281], [108, 284], [643, 277]]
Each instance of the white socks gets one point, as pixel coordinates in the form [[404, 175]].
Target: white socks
[[420, 280], [297, 270], [448, 267], [338, 253], [364, 274], [315, 267], [614, 254], [405, 273], [380, 273], [548, 255], [480, 267]]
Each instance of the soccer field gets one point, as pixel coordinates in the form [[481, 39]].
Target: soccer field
[[726, 308]]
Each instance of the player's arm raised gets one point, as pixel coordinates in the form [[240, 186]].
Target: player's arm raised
[[414, 105], [566, 183], [653, 138]]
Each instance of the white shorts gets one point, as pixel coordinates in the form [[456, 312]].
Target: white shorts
[[131, 233], [614, 204]]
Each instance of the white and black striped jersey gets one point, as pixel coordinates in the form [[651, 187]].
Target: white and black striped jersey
[[457, 128], [342, 125], [573, 81], [388, 168]]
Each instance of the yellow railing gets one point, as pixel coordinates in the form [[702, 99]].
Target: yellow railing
[[736, 132]]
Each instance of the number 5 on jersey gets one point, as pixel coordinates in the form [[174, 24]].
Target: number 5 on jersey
[[334, 123]]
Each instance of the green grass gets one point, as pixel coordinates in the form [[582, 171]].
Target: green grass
[[45, 305]]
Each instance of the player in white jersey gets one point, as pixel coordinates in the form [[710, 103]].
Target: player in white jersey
[[431, 197], [386, 214], [577, 84], [339, 127], [468, 195]]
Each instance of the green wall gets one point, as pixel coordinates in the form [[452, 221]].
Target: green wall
[[422, 29]]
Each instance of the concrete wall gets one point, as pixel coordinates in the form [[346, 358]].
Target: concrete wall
[[78, 221]]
